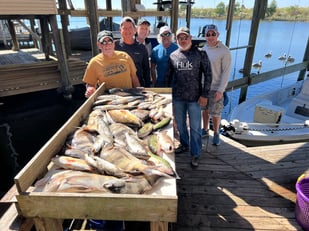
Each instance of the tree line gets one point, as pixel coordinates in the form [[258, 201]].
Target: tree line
[[272, 12]]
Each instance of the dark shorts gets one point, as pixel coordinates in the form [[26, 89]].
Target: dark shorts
[[214, 108]]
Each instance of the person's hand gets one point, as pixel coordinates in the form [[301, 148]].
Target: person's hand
[[89, 91], [202, 101], [218, 95]]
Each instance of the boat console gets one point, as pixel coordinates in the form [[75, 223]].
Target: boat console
[[299, 106]]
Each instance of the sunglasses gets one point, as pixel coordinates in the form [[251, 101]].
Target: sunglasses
[[213, 34], [166, 34], [108, 42], [181, 38]]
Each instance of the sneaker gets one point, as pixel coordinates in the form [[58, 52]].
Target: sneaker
[[205, 133], [181, 149], [194, 161], [216, 139]]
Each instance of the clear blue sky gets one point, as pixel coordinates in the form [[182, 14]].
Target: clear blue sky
[[200, 3]]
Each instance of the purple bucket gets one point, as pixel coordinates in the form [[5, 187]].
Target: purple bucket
[[302, 203]]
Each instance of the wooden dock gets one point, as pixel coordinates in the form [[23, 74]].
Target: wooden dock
[[240, 188], [235, 188], [27, 71]]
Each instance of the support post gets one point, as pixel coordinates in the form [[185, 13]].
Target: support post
[[65, 23], [258, 13], [174, 15], [92, 11], [66, 87], [15, 45]]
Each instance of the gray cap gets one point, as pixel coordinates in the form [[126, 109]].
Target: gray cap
[[211, 27], [104, 34], [143, 21], [127, 19], [183, 30]]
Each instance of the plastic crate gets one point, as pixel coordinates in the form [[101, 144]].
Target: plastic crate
[[302, 202]]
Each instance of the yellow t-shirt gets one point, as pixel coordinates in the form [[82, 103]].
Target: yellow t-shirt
[[115, 71]]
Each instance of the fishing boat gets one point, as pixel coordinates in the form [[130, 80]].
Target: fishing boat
[[80, 37], [281, 116]]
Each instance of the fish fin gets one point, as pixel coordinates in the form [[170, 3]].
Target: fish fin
[[154, 171]]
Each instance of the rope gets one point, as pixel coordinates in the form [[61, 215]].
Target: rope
[[277, 129], [289, 48], [235, 60]]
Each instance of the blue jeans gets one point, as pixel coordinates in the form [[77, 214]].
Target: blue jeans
[[193, 109]]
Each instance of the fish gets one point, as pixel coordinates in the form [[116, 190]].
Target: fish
[[157, 116], [145, 130], [107, 97], [144, 105], [157, 102], [141, 113], [82, 140], [136, 147], [152, 143], [163, 123], [138, 184], [102, 141], [108, 107], [104, 167], [74, 152], [119, 129], [126, 91], [165, 142], [129, 163], [162, 164], [77, 181], [96, 122], [126, 117], [135, 103], [67, 162], [125, 100]]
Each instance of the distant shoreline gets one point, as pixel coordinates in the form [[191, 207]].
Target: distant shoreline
[[266, 19]]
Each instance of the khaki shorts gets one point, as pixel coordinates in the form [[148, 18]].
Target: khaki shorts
[[214, 108]]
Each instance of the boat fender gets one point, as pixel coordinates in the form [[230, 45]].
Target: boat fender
[[306, 123]]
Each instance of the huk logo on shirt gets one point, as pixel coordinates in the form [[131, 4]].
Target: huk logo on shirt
[[184, 66]]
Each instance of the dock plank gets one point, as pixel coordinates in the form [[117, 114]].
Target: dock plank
[[240, 188]]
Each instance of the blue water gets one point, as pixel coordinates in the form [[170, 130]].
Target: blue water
[[279, 37]]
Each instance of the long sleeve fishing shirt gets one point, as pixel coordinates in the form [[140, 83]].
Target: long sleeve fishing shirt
[[220, 59], [185, 72]]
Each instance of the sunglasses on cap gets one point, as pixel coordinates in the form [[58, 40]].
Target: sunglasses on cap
[[108, 42], [211, 34], [166, 34]]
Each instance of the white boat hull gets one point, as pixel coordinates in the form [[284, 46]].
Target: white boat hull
[[278, 117]]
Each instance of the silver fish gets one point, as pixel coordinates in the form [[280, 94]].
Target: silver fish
[[125, 117], [83, 140], [67, 162], [104, 167], [136, 147], [77, 181]]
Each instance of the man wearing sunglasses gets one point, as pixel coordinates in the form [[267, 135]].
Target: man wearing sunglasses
[[220, 59], [160, 55], [114, 68], [189, 74]]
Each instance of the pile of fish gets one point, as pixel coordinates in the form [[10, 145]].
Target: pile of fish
[[120, 148]]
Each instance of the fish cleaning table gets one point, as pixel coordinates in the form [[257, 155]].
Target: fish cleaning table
[[49, 209]]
